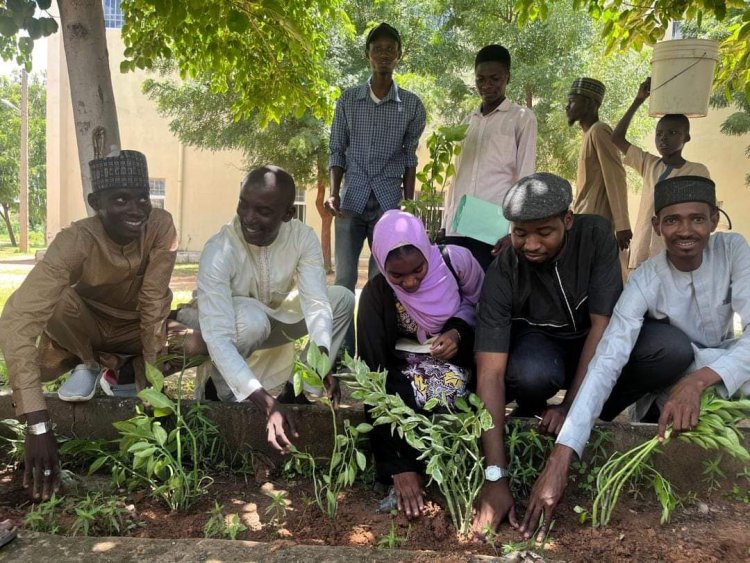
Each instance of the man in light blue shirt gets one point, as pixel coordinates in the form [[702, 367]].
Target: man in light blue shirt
[[696, 286], [373, 152]]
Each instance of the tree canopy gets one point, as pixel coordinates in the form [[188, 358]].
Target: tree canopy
[[269, 50], [628, 24], [10, 142]]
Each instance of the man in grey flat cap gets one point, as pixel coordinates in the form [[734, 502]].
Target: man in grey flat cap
[[545, 304], [690, 293]]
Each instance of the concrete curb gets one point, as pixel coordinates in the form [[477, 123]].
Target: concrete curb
[[244, 428], [40, 548]]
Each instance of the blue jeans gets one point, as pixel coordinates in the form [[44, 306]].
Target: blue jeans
[[351, 231]]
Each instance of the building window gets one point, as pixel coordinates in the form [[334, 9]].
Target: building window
[[299, 204], [158, 191], [113, 17], [676, 29]]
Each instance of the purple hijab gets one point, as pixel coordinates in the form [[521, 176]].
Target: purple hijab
[[438, 298]]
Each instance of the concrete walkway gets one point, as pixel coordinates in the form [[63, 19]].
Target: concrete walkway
[[41, 548]]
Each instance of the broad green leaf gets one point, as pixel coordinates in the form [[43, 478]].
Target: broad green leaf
[[157, 400], [155, 377]]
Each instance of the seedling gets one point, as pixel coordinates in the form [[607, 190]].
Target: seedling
[[583, 514], [716, 429], [277, 508], [99, 515], [444, 145], [166, 462], [43, 517], [221, 526], [346, 457], [712, 473], [392, 540]]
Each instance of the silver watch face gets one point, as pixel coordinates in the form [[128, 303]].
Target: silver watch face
[[493, 473]]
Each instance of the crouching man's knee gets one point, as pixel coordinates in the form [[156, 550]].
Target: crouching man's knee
[[252, 324]]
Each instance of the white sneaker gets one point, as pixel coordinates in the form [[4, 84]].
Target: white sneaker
[[81, 385]]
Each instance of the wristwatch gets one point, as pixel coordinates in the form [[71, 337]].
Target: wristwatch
[[494, 473], [39, 428]]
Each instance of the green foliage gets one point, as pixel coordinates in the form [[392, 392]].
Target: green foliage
[[221, 526], [44, 516], [449, 443], [12, 439], [161, 451], [21, 25], [716, 429], [284, 43], [346, 457], [584, 472], [277, 509], [527, 452], [444, 145], [10, 151], [100, 515], [627, 24], [712, 473], [440, 39], [392, 540]]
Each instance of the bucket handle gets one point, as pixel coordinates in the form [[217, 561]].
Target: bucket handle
[[684, 70]]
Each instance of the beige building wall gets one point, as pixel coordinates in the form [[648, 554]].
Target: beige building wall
[[726, 161], [201, 186]]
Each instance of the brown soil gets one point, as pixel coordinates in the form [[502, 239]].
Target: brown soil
[[717, 531]]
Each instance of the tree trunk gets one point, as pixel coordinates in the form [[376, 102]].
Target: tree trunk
[[94, 110], [6, 216], [529, 96], [325, 216]]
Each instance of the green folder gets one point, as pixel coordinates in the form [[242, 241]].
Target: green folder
[[479, 219]]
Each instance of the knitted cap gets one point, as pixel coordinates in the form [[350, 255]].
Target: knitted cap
[[383, 30], [682, 189], [537, 196], [126, 170], [588, 87]]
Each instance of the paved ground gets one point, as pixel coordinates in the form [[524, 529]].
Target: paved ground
[[39, 548]]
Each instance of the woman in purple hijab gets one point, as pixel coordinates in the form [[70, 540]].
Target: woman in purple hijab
[[416, 321]]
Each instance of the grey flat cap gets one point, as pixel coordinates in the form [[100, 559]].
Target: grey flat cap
[[537, 196]]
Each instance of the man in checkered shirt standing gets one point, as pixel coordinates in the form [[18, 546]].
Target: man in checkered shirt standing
[[373, 145]]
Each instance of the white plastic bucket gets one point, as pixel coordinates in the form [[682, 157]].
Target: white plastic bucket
[[682, 71]]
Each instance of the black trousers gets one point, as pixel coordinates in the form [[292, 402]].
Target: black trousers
[[540, 365]]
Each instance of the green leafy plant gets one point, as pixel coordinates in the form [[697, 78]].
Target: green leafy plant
[[527, 452], [444, 146], [159, 451], [221, 526], [449, 443], [14, 441], [716, 429], [346, 457], [44, 516], [584, 472], [583, 514], [277, 509], [712, 473], [392, 540], [100, 515]]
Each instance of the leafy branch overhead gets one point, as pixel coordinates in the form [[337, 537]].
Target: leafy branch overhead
[[271, 51], [630, 24], [18, 16]]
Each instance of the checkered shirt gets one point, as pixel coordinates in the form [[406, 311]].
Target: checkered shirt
[[375, 143]]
